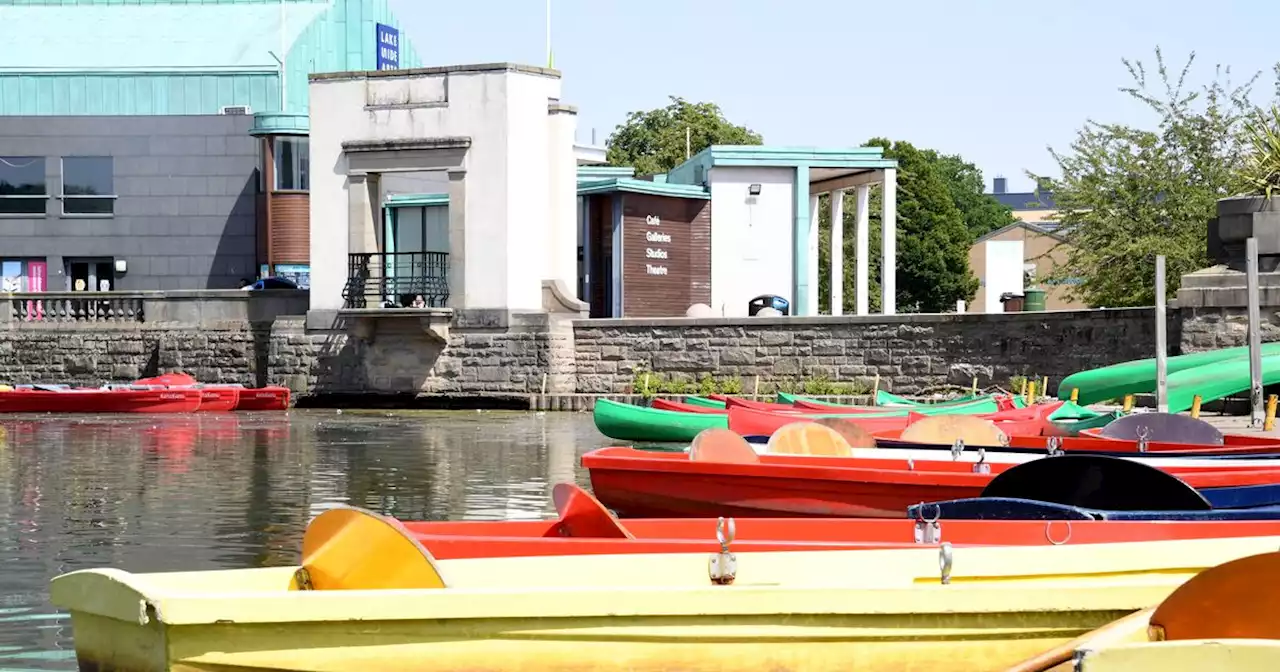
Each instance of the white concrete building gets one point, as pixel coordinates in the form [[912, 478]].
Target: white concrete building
[[505, 142], [514, 224]]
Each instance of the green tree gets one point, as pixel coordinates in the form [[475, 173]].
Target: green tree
[[1129, 194], [654, 141], [982, 213], [940, 205]]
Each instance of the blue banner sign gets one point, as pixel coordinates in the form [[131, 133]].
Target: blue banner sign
[[388, 40]]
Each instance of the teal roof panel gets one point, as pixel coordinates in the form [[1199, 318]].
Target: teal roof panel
[[151, 37], [144, 57]]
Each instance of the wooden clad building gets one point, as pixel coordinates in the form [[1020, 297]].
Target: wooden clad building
[[645, 247]]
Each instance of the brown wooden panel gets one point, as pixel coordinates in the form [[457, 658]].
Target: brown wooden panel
[[290, 228], [666, 255]]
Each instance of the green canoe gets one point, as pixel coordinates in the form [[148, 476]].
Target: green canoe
[[1073, 426], [1219, 379], [974, 407], [1139, 376], [627, 422], [884, 399], [695, 400]]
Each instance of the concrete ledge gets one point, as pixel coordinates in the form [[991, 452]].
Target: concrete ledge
[[472, 69], [363, 322], [829, 320]]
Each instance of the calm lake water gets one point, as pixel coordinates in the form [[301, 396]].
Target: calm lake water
[[235, 490]]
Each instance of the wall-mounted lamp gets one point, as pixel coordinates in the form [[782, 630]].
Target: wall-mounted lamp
[[754, 190], [122, 266]]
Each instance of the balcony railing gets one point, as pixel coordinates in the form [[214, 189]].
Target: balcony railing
[[397, 280]]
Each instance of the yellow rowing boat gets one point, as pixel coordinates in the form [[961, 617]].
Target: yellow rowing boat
[[368, 597], [1222, 619]]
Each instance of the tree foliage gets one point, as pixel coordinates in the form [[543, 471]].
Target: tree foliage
[[654, 141], [933, 236], [1129, 194]]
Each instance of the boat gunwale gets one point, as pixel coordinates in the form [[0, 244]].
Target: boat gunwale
[[981, 583]]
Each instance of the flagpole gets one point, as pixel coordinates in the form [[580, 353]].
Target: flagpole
[[549, 61]]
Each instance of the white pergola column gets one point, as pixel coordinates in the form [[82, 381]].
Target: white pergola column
[[889, 244], [811, 304], [862, 240], [837, 252]]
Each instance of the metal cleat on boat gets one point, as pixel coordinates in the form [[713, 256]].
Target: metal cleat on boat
[[981, 466], [723, 567], [1144, 435], [956, 449], [928, 531], [1054, 444], [944, 562]]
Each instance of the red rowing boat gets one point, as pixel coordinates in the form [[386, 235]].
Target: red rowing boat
[[1029, 421], [1235, 444], [585, 527], [737, 482], [99, 400]]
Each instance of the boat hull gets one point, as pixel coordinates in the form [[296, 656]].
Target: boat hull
[[873, 611], [273, 398], [627, 422], [100, 401]]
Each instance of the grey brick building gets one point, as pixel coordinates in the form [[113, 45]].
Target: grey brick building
[[163, 144], [137, 202]]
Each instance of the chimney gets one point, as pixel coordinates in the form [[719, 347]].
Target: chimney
[[999, 185]]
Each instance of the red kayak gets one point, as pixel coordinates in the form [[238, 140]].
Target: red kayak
[[99, 400], [653, 484], [271, 398], [240, 398], [585, 527]]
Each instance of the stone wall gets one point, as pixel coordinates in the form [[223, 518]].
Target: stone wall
[[496, 355], [908, 352]]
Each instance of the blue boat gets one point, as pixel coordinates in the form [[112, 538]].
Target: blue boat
[[1096, 487]]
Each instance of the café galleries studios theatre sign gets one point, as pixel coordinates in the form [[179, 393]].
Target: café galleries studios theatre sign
[[388, 41]]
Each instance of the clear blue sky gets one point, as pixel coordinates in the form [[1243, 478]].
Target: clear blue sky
[[994, 80]]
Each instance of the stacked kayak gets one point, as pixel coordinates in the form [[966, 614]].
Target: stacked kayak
[[49, 399], [170, 393], [1212, 375], [226, 397]]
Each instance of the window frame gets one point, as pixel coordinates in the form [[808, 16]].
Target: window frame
[[43, 198], [299, 163], [63, 196]]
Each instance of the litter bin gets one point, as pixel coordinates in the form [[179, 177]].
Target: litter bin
[[768, 301], [1012, 302], [1034, 299]]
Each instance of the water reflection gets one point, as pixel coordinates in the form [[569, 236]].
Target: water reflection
[[221, 491]]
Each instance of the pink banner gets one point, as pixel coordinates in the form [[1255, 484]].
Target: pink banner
[[37, 277]]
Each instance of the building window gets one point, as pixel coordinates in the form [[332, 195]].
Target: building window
[[293, 164], [22, 185], [88, 185]]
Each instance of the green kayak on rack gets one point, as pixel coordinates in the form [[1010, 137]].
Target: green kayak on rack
[[629, 422], [1219, 379], [1139, 376]]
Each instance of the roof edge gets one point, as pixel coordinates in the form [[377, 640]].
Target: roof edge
[[469, 69]]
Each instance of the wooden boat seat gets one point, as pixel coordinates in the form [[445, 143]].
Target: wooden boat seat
[[1235, 600], [947, 429], [717, 444], [348, 548], [808, 438], [854, 434], [582, 515], [1169, 427]]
